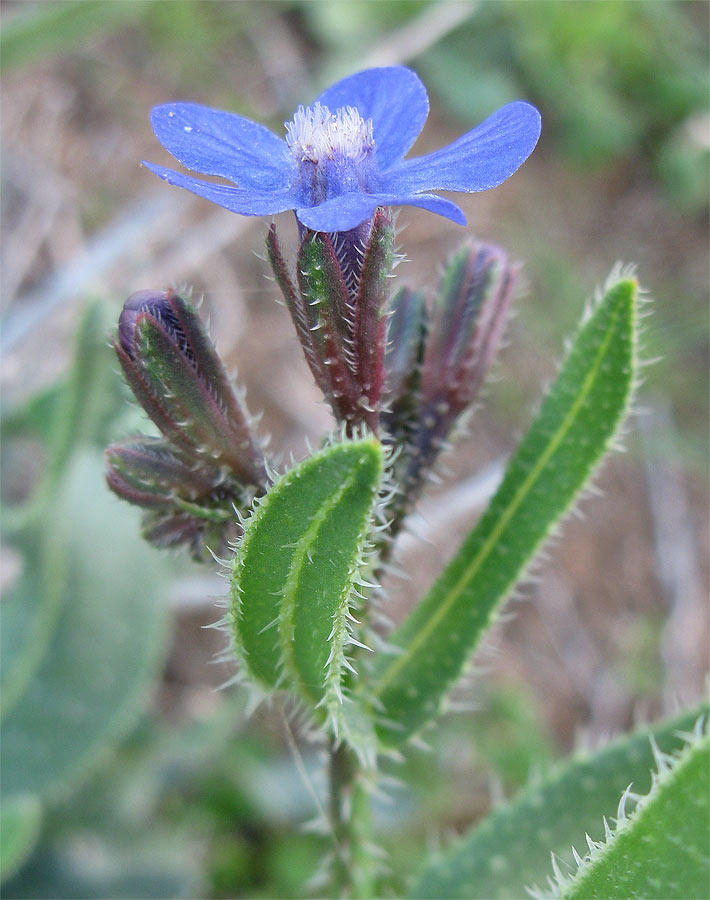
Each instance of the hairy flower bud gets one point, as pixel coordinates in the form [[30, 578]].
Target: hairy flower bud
[[186, 502], [175, 373], [406, 331], [338, 305], [148, 472], [449, 360], [465, 328]]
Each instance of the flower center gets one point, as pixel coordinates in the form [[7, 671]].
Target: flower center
[[334, 152], [316, 134]]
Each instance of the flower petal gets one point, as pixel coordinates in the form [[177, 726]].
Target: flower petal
[[349, 210], [477, 161], [439, 205], [245, 201], [396, 101], [221, 143]]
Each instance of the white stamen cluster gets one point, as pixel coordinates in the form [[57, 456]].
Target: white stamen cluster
[[316, 134]]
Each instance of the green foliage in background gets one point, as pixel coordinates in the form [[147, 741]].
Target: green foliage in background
[[84, 625], [20, 819]]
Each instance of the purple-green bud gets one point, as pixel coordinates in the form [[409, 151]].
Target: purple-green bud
[[465, 328], [202, 537], [186, 502], [148, 472], [406, 331], [462, 334], [157, 305], [175, 373], [338, 306]]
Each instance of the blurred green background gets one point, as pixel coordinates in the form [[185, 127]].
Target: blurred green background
[[126, 772]]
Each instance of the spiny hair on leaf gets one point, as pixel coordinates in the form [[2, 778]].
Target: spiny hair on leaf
[[560, 883], [341, 634]]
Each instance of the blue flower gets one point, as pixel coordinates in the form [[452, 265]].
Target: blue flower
[[343, 156]]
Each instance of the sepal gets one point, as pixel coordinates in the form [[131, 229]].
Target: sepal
[[370, 310]]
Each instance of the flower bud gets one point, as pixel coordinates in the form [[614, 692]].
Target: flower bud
[[338, 305], [465, 328], [406, 331], [175, 373], [204, 538], [148, 473], [462, 334], [186, 502]]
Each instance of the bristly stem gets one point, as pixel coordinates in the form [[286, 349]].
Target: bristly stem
[[350, 815]]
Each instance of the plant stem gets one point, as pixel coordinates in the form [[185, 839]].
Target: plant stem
[[350, 816]]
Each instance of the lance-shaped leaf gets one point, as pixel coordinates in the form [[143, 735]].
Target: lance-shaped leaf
[[175, 373], [297, 567], [661, 850], [509, 850], [576, 424]]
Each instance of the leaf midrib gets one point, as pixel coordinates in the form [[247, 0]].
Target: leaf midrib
[[296, 567], [479, 559]]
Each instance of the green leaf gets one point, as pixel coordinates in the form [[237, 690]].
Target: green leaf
[[29, 611], [297, 566], [72, 412], [661, 850], [20, 820], [574, 427], [509, 850], [103, 654], [76, 413]]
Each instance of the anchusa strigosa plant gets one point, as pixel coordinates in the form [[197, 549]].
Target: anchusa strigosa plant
[[398, 369]]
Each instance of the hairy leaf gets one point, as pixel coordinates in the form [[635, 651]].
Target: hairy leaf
[[29, 611], [574, 427], [297, 566], [661, 850], [509, 850]]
